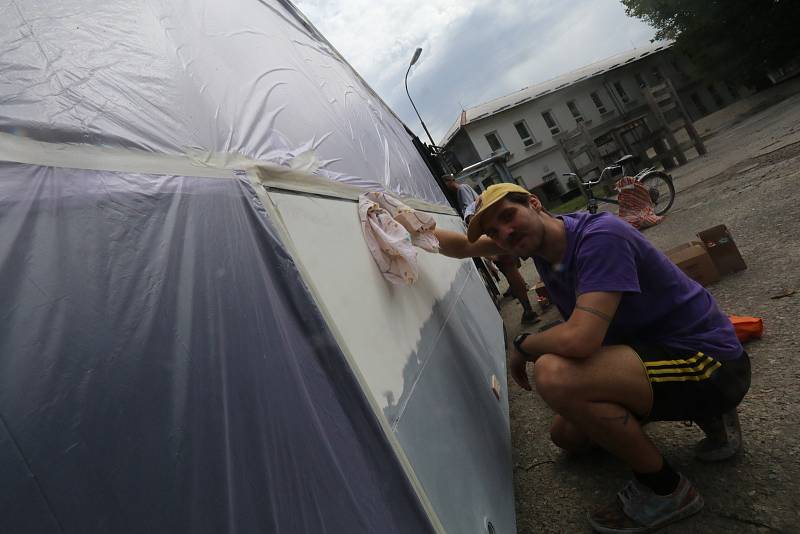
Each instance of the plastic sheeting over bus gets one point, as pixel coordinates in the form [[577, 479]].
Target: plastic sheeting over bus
[[202, 78], [164, 369], [195, 339]]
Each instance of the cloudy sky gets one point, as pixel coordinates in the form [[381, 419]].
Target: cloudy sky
[[473, 50]]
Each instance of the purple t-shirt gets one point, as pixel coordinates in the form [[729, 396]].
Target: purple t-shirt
[[659, 304]]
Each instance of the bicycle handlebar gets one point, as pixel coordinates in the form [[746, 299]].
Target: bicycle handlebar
[[585, 184], [596, 180]]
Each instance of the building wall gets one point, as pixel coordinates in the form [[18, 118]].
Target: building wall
[[463, 148], [545, 150], [533, 164]]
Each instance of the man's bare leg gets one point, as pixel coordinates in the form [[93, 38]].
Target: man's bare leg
[[600, 397], [516, 283], [566, 436]]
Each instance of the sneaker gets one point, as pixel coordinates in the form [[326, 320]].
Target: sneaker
[[723, 437], [637, 509], [530, 317]]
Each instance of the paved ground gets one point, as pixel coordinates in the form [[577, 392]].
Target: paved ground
[[750, 181]]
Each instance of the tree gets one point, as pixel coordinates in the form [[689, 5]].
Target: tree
[[735, 40]]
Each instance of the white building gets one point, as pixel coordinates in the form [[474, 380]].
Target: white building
[[604, 96]]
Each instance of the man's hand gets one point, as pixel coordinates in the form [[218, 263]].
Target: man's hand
[[517, 366]]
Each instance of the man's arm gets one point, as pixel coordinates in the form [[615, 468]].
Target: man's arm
[[580, 337], [456, 245]]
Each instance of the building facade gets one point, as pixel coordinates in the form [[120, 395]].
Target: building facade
[[526, 125]]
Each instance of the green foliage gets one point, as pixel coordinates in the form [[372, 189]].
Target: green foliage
[[570, 206], [735, 40]]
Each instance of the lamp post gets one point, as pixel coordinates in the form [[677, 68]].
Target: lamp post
[[414, 59]]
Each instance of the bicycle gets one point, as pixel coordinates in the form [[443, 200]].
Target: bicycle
[[659, 185]]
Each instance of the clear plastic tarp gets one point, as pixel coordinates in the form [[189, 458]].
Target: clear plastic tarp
[[175, 352], [202, 78], [164, 369]]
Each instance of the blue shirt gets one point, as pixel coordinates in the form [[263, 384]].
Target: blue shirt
[[659, 303]]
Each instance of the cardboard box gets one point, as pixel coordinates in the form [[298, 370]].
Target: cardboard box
[[723, 251], [693, 259]]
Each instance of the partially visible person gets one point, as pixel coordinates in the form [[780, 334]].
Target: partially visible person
[[464, 193]]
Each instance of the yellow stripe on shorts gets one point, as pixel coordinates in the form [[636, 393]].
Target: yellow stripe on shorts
[[690, 361], [682, 370]]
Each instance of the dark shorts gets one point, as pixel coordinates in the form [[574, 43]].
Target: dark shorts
[[692, 386]]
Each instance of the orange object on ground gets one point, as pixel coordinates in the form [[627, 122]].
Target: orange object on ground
[[747, 328]]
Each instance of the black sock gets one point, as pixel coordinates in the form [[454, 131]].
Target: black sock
[[662, 482]]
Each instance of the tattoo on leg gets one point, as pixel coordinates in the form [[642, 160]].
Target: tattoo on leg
[[595, 312], [623, 418]]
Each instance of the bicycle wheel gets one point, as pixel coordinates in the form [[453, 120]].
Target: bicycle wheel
[[661, 189]]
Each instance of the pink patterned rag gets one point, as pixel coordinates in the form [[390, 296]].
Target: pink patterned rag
[[635, 205], [391, 230]]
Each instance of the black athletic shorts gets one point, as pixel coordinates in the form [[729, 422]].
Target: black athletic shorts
[[690, 386]]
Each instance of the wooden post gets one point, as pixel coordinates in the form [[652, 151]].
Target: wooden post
[[663, 154], [659, 116], [565, 152], [594, 154], [689, 125]]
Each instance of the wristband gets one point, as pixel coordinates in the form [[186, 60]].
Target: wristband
[[518, 345]]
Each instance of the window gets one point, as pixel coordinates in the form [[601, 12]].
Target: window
[[640, 79], [524, 133], [494, 141], [576, 113], [551, 123], [598, 103], [621, 92]]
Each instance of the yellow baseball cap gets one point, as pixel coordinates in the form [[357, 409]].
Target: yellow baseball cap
[[492, 195]]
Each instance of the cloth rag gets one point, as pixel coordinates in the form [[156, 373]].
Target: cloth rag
[[392, 230]]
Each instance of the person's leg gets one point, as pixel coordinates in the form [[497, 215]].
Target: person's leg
[[508, 266], [517, 284], [723, 432], [601, 397], [567, 436]]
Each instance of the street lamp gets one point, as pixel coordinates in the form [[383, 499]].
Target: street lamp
[[414, 59]]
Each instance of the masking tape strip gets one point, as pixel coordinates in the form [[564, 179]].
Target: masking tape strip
[[90, 157], [291, 180], [298, 177]]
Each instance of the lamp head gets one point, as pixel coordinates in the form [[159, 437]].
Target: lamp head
[[414, 59]]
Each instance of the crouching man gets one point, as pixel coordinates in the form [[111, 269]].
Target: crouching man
[[641, 342]]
